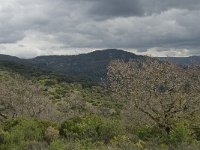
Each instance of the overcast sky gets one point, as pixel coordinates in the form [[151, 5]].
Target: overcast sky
[[29, 28]]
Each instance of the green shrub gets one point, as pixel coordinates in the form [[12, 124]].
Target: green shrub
[[148, 132], [19, 133], [2, 136], [196, 130], [8, 125], [92, 127], [109, 129], [57, 145], [121, 141], [3, 140], [180, 134], [29, 123], [25, 130], [29, 129], [11, 140], [72, 128]]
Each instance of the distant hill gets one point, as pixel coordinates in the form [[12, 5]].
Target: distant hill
[[31, 72], [182, 60], [8, 58], [91, 66]]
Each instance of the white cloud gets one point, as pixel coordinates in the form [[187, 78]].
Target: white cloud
[[172, 52]]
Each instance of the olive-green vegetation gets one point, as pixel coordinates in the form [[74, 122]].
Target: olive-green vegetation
[[40, 110]]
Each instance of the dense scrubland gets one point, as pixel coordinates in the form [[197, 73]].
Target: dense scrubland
[[145, 104]]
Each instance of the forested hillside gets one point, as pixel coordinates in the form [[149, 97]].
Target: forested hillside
[[91, 66]]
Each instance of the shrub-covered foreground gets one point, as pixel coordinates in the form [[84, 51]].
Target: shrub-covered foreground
[[92, 132]]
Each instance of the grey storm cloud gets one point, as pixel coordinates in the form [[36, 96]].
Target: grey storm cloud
[[104, 9], [51, 27], [158, 6]]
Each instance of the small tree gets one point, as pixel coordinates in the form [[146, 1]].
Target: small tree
[[161, 91]]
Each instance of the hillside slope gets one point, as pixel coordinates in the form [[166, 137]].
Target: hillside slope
[[91, 66]]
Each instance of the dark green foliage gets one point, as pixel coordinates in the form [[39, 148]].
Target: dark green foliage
[[148, 132], [46, 77], [32, 129], [57, 145], [21, 133], [24, 69], [2, 136], [179, 134], [196, 131]]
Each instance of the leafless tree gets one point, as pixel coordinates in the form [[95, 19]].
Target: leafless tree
[[22, 97], [160, 91]]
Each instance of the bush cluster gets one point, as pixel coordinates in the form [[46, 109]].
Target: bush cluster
[[94, 128]]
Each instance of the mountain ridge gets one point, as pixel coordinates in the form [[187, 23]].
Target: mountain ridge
[[91, 66]]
